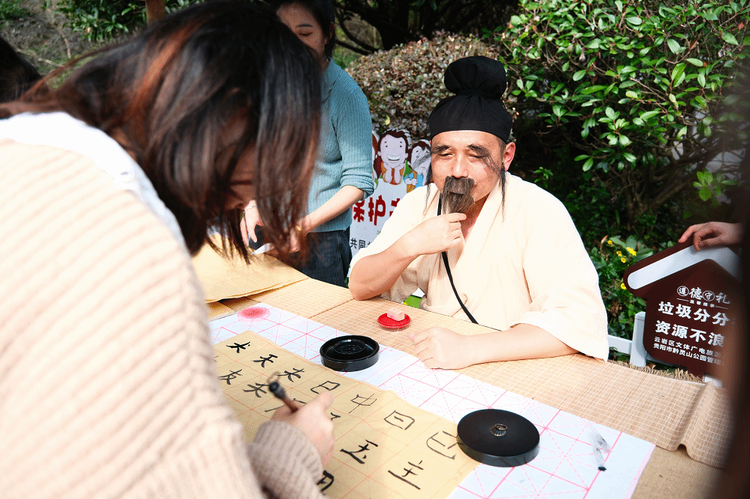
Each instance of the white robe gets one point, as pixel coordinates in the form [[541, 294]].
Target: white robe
[[525, 263]]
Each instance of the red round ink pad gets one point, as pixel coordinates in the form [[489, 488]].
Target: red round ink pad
[[253, 313], [498, 438], [389, 323]]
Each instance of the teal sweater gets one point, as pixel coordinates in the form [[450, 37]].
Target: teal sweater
[[345, 155]]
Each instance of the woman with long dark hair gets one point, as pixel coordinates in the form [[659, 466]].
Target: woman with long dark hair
[[343, 170], [110, 182]]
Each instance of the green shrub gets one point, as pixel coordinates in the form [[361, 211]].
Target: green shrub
[[634, 87], [11, 10], [611, 257], [99, 20], [404, 84]]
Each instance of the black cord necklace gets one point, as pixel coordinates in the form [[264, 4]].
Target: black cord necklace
[[448, 270]]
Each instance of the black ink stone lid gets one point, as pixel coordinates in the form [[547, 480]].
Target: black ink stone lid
[[498, 438], [349, 353]]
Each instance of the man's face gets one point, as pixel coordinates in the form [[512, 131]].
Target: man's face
[[469, 154]]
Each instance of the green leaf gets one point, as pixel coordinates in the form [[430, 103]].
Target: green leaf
[[634, 20], [705, 193], [695, 62], [578, 75], [588, 164], [729, 38], [674, 46], [592, 89], [631, 94], [629, 157], [593, 44], [649, 114], [678, 70], [624, 141], [610, 113]]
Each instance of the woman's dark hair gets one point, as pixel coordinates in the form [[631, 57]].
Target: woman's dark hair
[[16, 74], [168, 95], [324, 14]]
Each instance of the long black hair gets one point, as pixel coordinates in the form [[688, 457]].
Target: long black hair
[[168, 95]]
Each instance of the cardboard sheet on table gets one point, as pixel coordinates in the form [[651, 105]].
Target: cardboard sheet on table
[[217, 310], [222, 278]]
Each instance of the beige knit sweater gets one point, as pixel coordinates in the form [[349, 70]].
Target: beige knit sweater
[[107, 382]]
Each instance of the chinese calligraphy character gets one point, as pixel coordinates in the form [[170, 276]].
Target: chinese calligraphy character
[[324, 481], [683, 311], [263, 360], [701, 315], [362, 448], [290, 374], [326, 385], [722, 298], [721, 319], [662, 327], [716, 339], [229, 377], [238, 346], [399, 420], [437, 443], [409, 472], [257, 389], [358, 211], [394, 203], [679, 331], [698, 335], [376, 209], [361, 401], [666, 308], [696, 293]]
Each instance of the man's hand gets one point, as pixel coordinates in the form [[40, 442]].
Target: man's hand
[[713, 234], [440, 347], [437, 234], [314, 422]]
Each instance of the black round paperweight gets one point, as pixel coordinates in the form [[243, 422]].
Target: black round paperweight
[[498, 438], [349, 353]]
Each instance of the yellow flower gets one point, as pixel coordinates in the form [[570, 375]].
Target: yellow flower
[[631, 251], [622, 285], [619, 253], [609, 241], [623, 260]]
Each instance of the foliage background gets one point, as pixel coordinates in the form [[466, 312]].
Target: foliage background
[[620, 105]]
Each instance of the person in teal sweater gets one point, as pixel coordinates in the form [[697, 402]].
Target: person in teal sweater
[[343, 173]]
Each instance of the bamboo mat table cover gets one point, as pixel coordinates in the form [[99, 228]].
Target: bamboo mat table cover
[[688, 419]]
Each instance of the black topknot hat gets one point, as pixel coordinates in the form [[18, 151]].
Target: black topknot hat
[[479, 84]]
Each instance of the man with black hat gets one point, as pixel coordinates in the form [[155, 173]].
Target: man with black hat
[[485, 245]]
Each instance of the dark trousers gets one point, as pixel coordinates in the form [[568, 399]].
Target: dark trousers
[[328, 258]]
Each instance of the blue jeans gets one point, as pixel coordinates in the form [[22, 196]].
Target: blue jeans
[[329, 257]]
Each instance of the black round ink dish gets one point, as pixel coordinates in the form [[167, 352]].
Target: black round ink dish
[[349, 353], [498, 438]]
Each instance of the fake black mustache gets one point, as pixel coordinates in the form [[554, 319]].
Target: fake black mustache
[[457, 194]]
